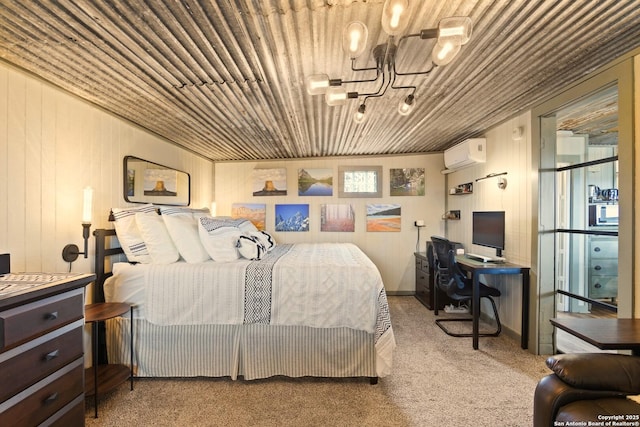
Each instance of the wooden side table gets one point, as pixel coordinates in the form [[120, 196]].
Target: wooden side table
[[104, 378]]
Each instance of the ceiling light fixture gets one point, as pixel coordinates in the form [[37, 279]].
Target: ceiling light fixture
[[450, 35]]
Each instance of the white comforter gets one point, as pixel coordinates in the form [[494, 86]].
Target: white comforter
[[322, 285], [319, 285]]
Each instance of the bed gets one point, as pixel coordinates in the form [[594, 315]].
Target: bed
[[307, 309]]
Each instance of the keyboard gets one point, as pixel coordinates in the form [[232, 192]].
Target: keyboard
[[483, 258]]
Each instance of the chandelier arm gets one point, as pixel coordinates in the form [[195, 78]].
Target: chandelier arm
[[364, 80], [413, 88], [380, 92], [353, 63], [411, 73]]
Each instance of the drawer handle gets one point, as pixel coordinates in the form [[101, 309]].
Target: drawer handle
[[49, 400], [596, 249], [597, 286], [52, 355], [597, 267], [51, 316]]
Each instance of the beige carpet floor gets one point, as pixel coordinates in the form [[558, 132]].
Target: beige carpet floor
[[437, 380]]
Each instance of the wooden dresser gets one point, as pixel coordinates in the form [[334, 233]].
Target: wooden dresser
[[41, 349]]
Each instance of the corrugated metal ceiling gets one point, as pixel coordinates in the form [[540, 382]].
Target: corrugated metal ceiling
[[225, 79]]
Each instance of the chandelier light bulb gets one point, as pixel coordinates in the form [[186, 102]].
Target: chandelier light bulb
[[360, 115], [354, 39], [407, 105], [336, 95], [317, 84], [447, 48], [443, 53], [456, 29], [395, 16]]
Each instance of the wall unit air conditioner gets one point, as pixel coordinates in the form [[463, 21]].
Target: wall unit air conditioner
[[469, 152]]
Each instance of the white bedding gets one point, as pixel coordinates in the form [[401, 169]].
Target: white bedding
[[319, 285]]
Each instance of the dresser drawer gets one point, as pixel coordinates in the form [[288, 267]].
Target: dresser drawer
[[603, 287], [45, 398], [422, 264], [422, 281], [604, 267], [72, 415], [604, 248], [30, 366], [22, 323]]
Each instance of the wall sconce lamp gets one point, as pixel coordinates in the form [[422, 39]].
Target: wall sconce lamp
[[451, 34], [502, 182], [70, 252]]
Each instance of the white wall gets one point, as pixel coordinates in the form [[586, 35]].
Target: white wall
[[392, 252], [52, 145], [504, 154]]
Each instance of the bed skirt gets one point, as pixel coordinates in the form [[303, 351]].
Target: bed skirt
[[249, 351]]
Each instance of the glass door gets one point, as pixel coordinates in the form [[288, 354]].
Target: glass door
[[581, 171]]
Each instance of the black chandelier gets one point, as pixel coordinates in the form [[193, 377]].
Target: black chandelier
[[451, 34]]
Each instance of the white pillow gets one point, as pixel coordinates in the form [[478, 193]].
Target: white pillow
[[245, 225], [265, 238], [219, 238], [242, 223], [128, 234], [182, 226], [156, 238], [251, 247]]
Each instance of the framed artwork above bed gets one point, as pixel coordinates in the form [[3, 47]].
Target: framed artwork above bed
[[148, 182]]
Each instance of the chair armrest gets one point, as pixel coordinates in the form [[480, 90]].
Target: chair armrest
[[598, 371], [552, 393]]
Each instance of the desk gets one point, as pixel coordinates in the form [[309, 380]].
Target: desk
[[606, 334], [477, 268]]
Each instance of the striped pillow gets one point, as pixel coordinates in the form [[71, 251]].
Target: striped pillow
[[128, 233]]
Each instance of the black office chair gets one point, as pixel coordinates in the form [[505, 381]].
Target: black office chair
[[454, 282]]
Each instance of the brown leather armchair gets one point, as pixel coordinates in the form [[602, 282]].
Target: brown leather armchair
[[588, 387]]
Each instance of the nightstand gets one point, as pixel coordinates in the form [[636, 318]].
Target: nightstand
[[104, 378]]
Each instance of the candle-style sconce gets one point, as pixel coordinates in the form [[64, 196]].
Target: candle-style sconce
[[70, 252]]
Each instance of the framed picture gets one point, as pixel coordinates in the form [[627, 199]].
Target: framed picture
[[406, 182], [270, 182], [383, 217], [315, 182], [359, 181], [292, 217], [148, 182], [254, 212], [337, 217]]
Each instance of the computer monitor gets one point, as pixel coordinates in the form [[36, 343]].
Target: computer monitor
[[488, 230]]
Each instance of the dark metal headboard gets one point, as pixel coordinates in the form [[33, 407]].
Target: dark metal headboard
[[104, 252]]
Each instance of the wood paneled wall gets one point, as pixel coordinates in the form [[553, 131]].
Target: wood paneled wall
[[52, 146], [504, 154]]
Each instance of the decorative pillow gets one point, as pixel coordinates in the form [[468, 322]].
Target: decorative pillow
[[242, 223], [245, 225], [251, 247], [173, 210], [128, 234], [156, 238], [219, 239], [182, 225], [265, 238]]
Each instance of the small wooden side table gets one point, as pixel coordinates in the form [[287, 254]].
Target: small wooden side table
[[606, 334], [104, 378]]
